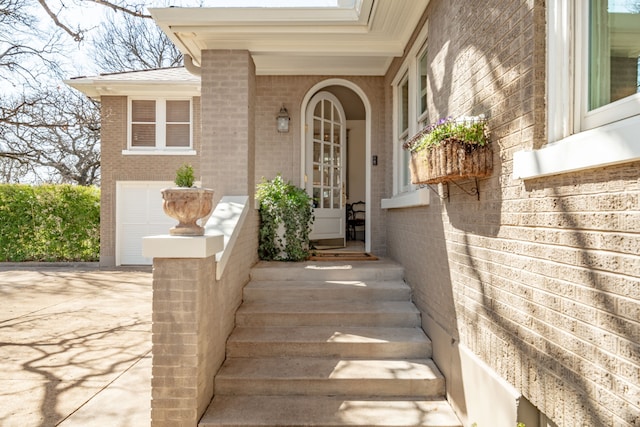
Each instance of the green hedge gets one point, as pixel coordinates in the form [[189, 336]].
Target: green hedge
[[49, 223]]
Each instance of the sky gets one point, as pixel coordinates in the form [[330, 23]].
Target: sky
[[90, 15]]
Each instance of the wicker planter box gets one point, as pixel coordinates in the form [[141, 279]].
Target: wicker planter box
[[451, 160]]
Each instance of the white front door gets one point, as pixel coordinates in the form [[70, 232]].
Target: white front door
[[325, 165]]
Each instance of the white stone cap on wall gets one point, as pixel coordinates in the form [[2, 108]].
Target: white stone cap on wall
[[221, 232], [227, 219], [166, 246]]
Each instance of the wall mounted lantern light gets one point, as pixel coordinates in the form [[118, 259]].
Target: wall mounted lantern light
[[282, 120]]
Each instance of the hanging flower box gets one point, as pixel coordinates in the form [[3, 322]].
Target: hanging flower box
[[449, 150]]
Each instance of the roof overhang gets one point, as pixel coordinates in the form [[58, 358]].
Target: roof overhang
[[166, 82], [358, 37]]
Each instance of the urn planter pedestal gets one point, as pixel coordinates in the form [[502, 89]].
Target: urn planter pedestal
[[187, 206]]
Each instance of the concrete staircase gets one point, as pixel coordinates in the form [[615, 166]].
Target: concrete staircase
[[328, 344]]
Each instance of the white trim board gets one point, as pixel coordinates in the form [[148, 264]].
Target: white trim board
[[604, 146]]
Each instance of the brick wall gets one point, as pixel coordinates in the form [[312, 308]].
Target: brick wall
[[193, 315], [118, 167], [540, 279], [228, 127]]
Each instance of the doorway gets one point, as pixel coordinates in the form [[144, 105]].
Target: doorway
[[334, 152]]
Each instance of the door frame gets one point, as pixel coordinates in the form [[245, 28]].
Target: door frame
[[328, 213], [367, 106]]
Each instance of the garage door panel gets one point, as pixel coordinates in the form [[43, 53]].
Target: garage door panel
[[140, 214], [131, 246], [155, 214]]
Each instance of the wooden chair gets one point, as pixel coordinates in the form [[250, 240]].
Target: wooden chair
[[355, 219]]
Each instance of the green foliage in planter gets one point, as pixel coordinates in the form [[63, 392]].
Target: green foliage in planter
[[470, 130], [185, 176], [282, 203], [49, 223]]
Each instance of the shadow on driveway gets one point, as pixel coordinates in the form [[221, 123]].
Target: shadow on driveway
[[75, 347]]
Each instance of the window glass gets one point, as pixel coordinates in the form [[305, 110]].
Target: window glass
[[143, 135], [178, 135], [403, 131], [403, 113], [143, 111], [178, 111], [178, 128], [422, 85], [614, 51]]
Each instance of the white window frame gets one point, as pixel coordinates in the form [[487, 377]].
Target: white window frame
[[407, 195], [401, 135], [578, 139], [161, 120]]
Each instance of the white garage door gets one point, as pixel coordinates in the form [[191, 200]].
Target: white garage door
[[139, 214]]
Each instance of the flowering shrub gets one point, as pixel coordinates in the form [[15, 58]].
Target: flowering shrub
[[470, 130]]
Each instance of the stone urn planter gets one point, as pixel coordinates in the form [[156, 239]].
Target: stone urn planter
[[187, 206]]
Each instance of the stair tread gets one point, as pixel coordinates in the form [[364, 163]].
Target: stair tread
[[347, 307], [334, 334], [381, 269], [304, 368], [328, 284], [257, 411]]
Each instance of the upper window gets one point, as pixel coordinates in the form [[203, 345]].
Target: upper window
[[593, 99], [593, 64], [613, 61], [410, 99], [160, 124]]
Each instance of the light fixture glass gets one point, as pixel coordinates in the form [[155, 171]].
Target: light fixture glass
[[282, 120]]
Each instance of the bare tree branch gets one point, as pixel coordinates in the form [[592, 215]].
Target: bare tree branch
[[77, 35], [133, 44], [53, 135], [56, 133], [124, 9]]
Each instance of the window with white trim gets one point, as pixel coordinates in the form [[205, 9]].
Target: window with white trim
[[593, 78], [160, 124], [612, 61], [410, 100], [593, 64]]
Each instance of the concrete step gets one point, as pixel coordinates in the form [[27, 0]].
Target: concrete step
[[329, 313], [328, 344], [379, 270], [261, 411], [328, 290], [329, 341], [330, 377]]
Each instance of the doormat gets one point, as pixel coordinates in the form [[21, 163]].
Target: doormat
[[342, 256]]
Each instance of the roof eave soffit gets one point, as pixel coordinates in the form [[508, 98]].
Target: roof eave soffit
[[294, 41]]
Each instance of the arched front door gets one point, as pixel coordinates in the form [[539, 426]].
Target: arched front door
[[325, 164]]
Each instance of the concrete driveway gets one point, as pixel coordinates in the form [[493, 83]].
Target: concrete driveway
[[75, 347]]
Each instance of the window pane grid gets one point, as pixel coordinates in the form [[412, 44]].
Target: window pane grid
[[160, 123], [327, 191]]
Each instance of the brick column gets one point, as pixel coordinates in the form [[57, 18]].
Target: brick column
[[228, 116], [182, 374]]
